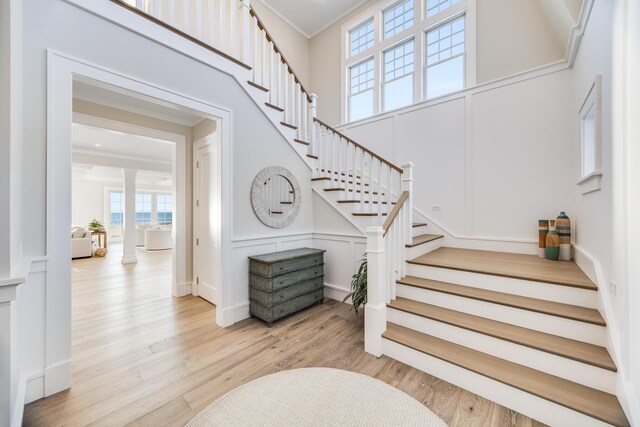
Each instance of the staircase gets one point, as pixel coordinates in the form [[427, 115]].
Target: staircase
[[516, 329]]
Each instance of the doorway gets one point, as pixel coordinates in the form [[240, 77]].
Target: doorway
[[206, 270], [62, 72]]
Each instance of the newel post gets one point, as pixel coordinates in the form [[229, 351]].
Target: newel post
[[245, 6], [375, 312], [313, 112], [407, 185]]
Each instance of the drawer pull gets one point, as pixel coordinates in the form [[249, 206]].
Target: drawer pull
[[282, 282], [281, 268], [281, 295]]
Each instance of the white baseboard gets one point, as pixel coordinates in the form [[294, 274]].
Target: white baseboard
[[183, 289], [336, 292], [18, 405], [129, 260], [57, 378], [34, 388], [230, 315]]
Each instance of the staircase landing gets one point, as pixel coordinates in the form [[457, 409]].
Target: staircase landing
[[516, 266]]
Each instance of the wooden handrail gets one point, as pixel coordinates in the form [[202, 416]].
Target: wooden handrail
[[366, 150], [179, 32], [277, 50], [395, 211]]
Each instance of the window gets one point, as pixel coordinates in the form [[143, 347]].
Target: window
[[116, 213], [590, 139], [398, 76], [164, 209], [436, 6], [398, 18], [362, 38], [143, 208], [361, 92], [400, 52], [445, 59]]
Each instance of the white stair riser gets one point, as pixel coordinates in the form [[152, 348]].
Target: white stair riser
[[425, 248], [567, 328], [345, 208], [559, 366], [417, 231], [526, 288], [517, 400]]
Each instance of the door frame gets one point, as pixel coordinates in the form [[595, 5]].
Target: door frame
[[213, 140], [62, 69]]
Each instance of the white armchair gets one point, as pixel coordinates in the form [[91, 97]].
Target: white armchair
[[140, 234], [157, 239], [81, 243]]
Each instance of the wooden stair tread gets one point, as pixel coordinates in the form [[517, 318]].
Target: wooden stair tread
[[299, 141], [594, 403], [339, 173], [567, 311], [516, 266], [275, 107], [289, 125], [424, 238], [311, 156], [419, 224], [257, 86], [560, 346]]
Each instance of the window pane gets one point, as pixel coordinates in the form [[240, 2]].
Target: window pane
[[445, 77], [361, 105], [398, 76], [445, 41], [398, 93], [164, 209], [361, 38], [143, 208], [116, 215], [398, 19], [436, 6]]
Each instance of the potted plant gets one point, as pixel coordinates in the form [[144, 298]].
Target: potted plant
[[96, 225], [358, 292]]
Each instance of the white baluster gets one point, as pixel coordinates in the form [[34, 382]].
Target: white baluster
[[140, 4], [407, 185], [222, 25], [199, 17], [247, 27], [156, 8], [285, 94], [213, 22], [273, 88], [370, 182], [353, 155], [313, 110], [185, 15], [380, 197], [362, 195], [172, 13]]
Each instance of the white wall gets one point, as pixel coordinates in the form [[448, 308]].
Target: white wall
[[494, 159], [294, 45], [512, 36], [256, 143]]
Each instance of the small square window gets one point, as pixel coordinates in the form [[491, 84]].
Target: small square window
[[398, 18], [436, 6], [590, 139], [361, 38]]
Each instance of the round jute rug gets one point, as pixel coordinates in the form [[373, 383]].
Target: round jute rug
[[316, 397]]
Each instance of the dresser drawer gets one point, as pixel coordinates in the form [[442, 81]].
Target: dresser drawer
[[283, 267], [285, 280], [269, 314], [285, 294]]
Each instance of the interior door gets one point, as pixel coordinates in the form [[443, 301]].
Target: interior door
[[205, 233]]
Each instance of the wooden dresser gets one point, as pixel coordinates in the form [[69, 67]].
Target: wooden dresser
[[282, 283]]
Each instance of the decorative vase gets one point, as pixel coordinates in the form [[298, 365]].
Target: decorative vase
[[552, 242], [563, 226], [543, 229]]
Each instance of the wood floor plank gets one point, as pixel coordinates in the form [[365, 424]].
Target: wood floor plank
[[567, 311], [518, 266], [560, 346], [594, 403], [140, 351]]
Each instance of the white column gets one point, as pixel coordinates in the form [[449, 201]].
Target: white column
[[9, 368], [375, 312], [129, 227], [246, 33], [407, 185]]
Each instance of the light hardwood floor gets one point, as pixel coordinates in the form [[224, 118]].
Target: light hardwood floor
[[141, 357]]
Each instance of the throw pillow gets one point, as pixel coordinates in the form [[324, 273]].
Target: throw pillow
[[78, 233]]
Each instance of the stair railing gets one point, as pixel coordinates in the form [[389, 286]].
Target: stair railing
[[364, 175], [386, 263], [234, 29]]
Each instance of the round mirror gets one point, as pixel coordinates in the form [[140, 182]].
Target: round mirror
[[275, 196]]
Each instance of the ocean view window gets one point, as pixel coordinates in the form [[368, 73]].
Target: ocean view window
[[164, 209], [143, 208], [116, 213]]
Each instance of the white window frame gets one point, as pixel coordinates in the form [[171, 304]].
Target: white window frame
[[592, 180], [421, 24], [413, 76]]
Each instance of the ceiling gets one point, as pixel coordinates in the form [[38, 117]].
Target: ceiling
[[115, 176], [312, 16], [110, 96], [106, 142]]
